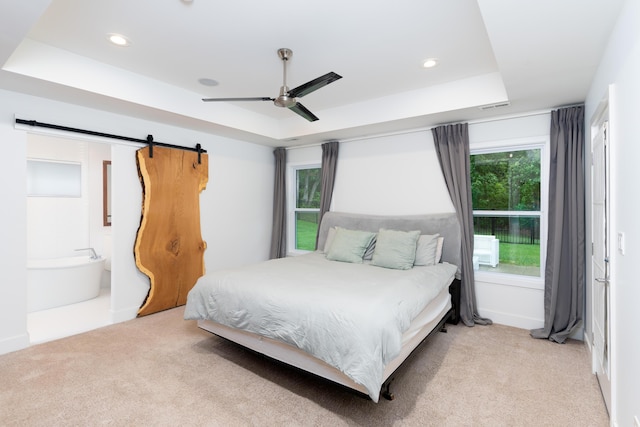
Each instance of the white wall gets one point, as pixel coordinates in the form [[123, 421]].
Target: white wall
[[13, 229], [129, 286], [618, 73], [385, 175], [400, 175], [236, 207], [391, 175]]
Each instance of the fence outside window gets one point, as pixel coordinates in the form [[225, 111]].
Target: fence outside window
[[510, 228]]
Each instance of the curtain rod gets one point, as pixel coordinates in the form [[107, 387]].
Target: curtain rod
[[148, 141], [428, 128]]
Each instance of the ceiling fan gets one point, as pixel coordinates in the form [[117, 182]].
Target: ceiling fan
[[287, 97]]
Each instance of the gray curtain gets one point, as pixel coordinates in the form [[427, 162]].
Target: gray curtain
[[452, 146], [564, 277], [328, 178], [279, 227]]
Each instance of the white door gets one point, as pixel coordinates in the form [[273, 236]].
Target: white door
[[600, 260]]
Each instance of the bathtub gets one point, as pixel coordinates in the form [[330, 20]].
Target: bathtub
[[61, 281]]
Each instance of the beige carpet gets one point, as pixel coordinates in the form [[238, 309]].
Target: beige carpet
[[160, 370]]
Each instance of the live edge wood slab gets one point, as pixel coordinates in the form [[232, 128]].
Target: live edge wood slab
[[169, 246]]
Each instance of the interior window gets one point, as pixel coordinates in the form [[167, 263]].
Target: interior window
[[507, 220]]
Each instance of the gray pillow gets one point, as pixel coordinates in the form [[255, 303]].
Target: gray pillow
[[395, 249], [426, 249], [349, 245]]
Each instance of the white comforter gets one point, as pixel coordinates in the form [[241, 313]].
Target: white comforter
[[352, 316]]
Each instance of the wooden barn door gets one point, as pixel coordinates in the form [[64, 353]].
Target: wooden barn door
[[169, 246]]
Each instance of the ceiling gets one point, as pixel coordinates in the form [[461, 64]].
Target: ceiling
[[508, 57]]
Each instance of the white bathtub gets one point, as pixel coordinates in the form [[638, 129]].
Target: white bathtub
[[61, 281]]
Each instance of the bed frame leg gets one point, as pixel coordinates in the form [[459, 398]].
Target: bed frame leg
[[443, 329], [385, 391]]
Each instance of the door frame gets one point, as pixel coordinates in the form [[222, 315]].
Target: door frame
[[601, 116]]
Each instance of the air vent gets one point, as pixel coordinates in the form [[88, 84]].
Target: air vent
[[494, 106]]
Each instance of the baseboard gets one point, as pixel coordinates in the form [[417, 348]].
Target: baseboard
[[124, 314], [587, 342], [510, 319], [16, 343], [578, 334]]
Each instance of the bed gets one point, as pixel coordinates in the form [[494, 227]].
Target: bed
[[350, 320]]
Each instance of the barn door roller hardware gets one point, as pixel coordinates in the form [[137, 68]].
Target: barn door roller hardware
[[149, 140]]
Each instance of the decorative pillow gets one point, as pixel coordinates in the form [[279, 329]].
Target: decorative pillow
[[330, 235], [349, 245], [395, 249], [426, 249], [368, 254], [439, 249]]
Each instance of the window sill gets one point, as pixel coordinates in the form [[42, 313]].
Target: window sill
[[297, 253], [506, 279]]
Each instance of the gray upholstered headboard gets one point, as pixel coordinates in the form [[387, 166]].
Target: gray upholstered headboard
[[444, 223]]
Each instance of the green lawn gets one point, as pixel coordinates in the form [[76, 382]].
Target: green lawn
[[306, 235], [520, 254]]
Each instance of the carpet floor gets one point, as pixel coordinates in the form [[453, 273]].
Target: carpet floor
[[160, 370]]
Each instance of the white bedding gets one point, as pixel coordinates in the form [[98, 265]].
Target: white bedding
[[351, 316]]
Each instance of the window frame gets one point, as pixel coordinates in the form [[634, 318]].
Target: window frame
[[292, 209], [520, 144]]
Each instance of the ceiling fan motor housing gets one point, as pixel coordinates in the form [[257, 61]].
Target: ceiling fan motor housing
[[284, 100]]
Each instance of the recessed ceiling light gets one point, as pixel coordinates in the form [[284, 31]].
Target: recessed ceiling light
[[207, 82], [430, 62], [118, 40]]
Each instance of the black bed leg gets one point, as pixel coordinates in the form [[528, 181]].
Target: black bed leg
[[444, 328], [387, 394], [385, 391]]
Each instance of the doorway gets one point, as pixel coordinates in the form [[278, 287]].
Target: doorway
[[66, 222]]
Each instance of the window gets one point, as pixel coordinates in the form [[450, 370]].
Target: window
[[506, 191], [50, 178], [304, 207]]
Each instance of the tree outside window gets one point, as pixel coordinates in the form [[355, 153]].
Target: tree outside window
[[307, 207]]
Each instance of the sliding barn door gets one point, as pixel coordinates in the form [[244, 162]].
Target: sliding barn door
[[169, 246]]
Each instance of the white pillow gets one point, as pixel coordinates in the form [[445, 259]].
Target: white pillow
[[426, 249], [439, 249]]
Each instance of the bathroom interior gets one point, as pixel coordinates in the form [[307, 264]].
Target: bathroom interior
[[68, 218]]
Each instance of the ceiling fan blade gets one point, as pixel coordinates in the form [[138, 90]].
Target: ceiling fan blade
[[313, 85], [238, 99], [302, 111]]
